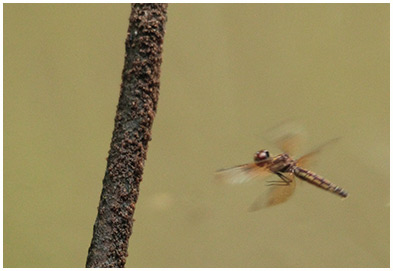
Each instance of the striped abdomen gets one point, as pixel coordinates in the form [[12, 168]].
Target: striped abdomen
[[319, 181]]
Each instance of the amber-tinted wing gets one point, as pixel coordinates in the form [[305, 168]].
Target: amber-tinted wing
[[241, 174], [309, 158], [277, 192], [288, 135]]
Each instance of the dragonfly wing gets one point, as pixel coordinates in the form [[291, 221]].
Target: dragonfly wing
[[277, 193], [309, 158], [241, 174], [288, 135]]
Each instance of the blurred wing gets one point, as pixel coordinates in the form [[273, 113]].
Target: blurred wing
[[241, 174], [308, 158], [276, 194], [289, 136], [290, 143]]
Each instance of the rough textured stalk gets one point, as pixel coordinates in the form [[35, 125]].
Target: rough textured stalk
[[134, 118]]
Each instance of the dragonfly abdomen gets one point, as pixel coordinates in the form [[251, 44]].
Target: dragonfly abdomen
[[319, 181]]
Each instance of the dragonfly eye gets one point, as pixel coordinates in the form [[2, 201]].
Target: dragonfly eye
[[261, 155]]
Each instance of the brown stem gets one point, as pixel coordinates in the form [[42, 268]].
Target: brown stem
[[134, 117]]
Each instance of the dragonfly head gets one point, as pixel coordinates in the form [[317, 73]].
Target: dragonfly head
[[261, 156]]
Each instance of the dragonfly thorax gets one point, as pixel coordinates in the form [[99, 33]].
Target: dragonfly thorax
[[282, 162], [261, 156]]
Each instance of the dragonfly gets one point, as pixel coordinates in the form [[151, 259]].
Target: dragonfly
[[283, 166]]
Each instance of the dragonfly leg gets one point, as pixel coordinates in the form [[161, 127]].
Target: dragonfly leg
[[284, 178], [276, 183]]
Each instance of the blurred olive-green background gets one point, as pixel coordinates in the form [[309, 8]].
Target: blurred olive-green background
[[229, 72]]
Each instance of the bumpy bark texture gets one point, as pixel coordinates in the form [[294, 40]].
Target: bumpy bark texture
[[134, 118]]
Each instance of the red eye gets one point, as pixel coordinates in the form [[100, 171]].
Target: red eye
[[261, 155]]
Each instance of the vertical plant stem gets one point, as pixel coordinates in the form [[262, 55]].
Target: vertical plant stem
[[134, 118]]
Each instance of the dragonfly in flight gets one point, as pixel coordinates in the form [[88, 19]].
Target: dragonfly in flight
[[282, 166]]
